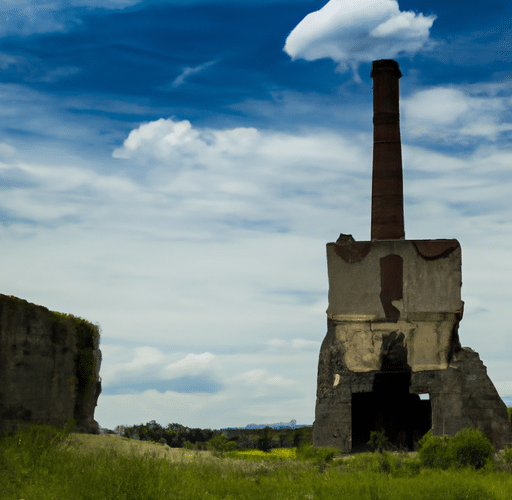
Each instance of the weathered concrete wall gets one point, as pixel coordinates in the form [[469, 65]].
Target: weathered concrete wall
[[393, 316], [400, 289], [49, 366], [464, 396]]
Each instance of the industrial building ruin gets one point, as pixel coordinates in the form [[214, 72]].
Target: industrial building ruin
[[392, 321]]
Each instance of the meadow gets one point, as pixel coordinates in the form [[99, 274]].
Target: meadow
[[44, 463]]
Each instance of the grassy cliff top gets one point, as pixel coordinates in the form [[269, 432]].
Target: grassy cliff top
[[82, 326]]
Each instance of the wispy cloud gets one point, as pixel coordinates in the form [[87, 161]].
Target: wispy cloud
[[351, 31], [187, 71], [26, 17], [59, 73]]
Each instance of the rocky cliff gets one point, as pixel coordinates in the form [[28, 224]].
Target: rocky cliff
[[49, 366]]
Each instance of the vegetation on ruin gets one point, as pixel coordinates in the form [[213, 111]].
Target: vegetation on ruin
[[468, 448], [45, 463]]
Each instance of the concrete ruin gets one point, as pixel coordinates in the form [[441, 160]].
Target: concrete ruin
[[392, 321], [49, 367]]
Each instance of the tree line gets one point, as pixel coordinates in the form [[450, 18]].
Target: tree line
[[180, 436]]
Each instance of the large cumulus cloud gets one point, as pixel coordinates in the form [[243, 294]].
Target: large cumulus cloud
[[351, 31]]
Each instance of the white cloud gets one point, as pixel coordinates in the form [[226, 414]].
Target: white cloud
[[351, 31], [275, 381], [191, 364], [242, 168], [165, 140], [122, 364], [462, 113], [438, 106], [261, 379], [142, 367], [144, 356], [220, 230]]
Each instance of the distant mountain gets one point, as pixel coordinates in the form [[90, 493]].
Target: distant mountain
[[280, 425]]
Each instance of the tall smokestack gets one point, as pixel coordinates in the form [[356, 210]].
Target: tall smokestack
[[387, 182]]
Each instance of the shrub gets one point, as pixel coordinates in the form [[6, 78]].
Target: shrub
[[507, 455], [265, 441], [317, 455], [469, 448], [433, 451], [220, 444], [378, 440]]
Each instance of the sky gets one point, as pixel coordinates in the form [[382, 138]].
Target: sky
[[172, 171]]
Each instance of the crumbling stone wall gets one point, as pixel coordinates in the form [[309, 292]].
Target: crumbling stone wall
[[464, 396], [393, 316], [49, 366], [382, 293]]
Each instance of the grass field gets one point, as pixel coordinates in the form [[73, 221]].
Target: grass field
[[43, 463]]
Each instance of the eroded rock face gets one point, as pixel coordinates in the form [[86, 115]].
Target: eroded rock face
[[49, 366]]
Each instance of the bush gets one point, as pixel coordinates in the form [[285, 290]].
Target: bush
[[469, 448], [507, 455], [317, 455], [220, 444], [378, 440], [397, 464], [433, 451]]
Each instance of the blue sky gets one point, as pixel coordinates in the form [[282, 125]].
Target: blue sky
[[171, 173]]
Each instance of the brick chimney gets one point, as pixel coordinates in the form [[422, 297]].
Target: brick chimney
[[387, 181]]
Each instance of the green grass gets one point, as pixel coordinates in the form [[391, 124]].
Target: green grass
[[43, 463]]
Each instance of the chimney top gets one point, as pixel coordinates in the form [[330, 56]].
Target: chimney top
[[385, 65]]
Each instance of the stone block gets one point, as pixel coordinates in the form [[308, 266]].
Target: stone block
[[49, 366]]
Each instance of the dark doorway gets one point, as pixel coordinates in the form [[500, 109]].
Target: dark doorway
[[403, 417]]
